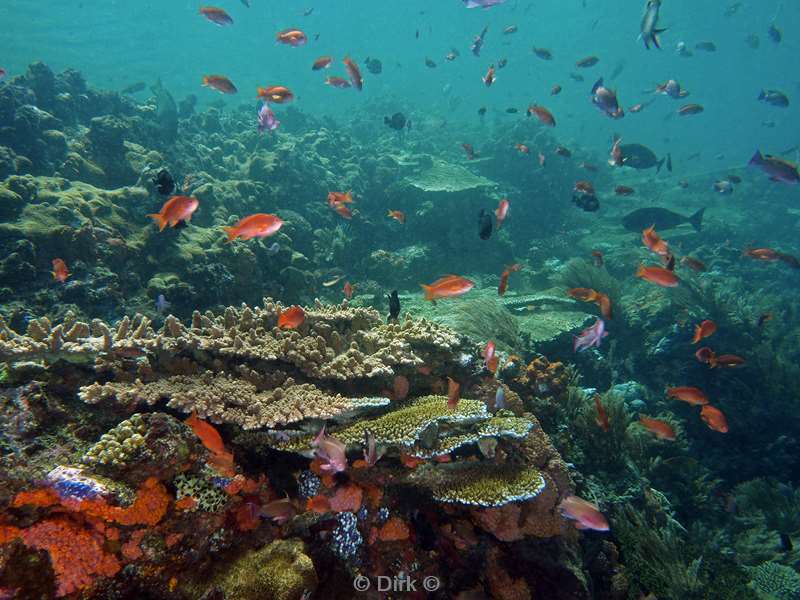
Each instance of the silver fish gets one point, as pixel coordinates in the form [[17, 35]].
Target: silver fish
[[500, 398], [162, 304], [649, 27]]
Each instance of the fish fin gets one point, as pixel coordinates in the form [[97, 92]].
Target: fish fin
[[597, 84], [757, 159], [160, 221], [229, 231], [696, 219], [428, 291], [656, 41], [660, 164]]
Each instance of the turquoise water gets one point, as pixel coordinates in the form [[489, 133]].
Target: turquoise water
[[116, 44]]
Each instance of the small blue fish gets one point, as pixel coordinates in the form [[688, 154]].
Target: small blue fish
[[500, 398], [274, 249], [161, 304], [482, 3]]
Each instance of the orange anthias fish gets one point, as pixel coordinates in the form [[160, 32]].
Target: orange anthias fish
[[653, 241], [660, 429], [590, 295], [705, 329], [725, 361], [522, 148], [175, 210], [489, 78], [501, 212], [292, 37], [291, 318], [275, 93], [342, 210], [714, 418], [348, 290], [545, 116], [219, 83], [221, 460], [338, 82], [453, 393], [658, 275], [340, 197], [767, 254], [690, 395], [585, 187], [216, 15], [60, 271], [398, 216], [602, 415], [490, 359], [585, 514], [449, 286], [354, 73], [260, 225], [501, 289], [323, 62]]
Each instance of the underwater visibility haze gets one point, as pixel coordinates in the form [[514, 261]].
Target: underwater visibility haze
[[352, 299]]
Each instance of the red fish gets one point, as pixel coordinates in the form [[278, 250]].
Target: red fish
[[216, 15], [340, 197], [585, 187], [278, 94], [624, 190], [291, 318], [220, 458], [585, 514], [714, 418], [323, 62], [260, 225], [398, 216], [590, 295], [726, 361], [337, 82], [522, 148], [60, 271], [545, 116], [354, 73], [501, 212], [660, 429], [292, 37], [705, 329], [766, 254], [449, 286], [489, 358], [219, 83], [704, 355], [653, 241], [691, 395], [175, 210], [343, 211], [501, 289], [602, 415], [453, 393], [348, 290], [401, 387], [489, 78], [658, 275]]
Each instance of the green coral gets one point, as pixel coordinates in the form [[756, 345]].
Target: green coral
[[209, 496], [280, 570], [774, 581], [476, 484], [118, 445]]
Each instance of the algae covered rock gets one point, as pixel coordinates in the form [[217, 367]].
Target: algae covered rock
[[280, 570], [143, 446]]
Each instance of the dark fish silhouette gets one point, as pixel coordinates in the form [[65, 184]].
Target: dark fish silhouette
[[164, 182], [637, 156], [394, 306], [397, 121], [374, 66], [134, 88], [484, 225], [662, 218]]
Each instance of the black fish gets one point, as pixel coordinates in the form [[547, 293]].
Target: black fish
[[477, 43], [587, 202], [397, 121], [512, 111], [662, 218], [669, 162], [707, 46], [429, 63], [774, 34], [164, 182], [484, 225], [394, 306], [482, 111], [374, 66], [637, 156]]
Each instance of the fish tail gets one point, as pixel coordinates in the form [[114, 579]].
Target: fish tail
[[696, 219], [640, 271], [660, 164], [429, 295], [762, 95], [160, 221], [757, 159], [656, 33]]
